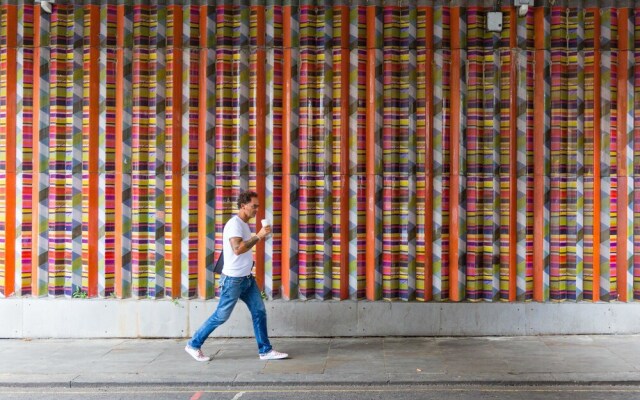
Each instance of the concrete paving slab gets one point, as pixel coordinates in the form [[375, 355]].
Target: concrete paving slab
[[285, 367], [347, 366], [116, 368], [534, 365], [629, 357], [240, 355], [598, 377], [372, 359], [432, 365], [187, 365], [128, 357], [472, 367], [517, 353], [254, 366], [357, 341], [42, 364], [308, 347], [586, 364], [351, 349], [318, 361], [48, 379], [273, 379]]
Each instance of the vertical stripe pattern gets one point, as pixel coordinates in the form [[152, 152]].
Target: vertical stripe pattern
[[401, 151]]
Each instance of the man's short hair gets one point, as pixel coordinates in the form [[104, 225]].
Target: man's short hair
[[245, 197]]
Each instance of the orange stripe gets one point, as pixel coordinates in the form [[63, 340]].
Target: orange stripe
[[596, 154], [260, 135], [538, 155], [286, 151], [202, 158], [513, 160], [455, 155], [94, 146], [10, 221], [428, 213], [370, 151], [344, 155], [176, 176], [35, 190], [118, 131], [623, 198]]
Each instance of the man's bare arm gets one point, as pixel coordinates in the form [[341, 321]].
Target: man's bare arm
[[240, 246]]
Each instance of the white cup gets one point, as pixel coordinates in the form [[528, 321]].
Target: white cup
[[266, 222]]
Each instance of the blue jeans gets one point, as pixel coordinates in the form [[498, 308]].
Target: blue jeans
[[232, 289]]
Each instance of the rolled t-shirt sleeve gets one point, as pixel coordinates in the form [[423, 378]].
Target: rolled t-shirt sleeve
[[235, 230]]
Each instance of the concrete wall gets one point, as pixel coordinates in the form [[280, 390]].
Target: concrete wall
[[66, 318]]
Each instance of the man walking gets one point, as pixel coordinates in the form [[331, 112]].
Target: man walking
[[237, 282]]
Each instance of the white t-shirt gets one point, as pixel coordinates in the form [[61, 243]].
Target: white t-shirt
[[236, 266]]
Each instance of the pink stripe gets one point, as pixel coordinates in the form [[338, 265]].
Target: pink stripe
[[196, 395]]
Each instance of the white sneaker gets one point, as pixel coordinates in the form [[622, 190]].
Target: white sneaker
[[273, 355], [196, 353]]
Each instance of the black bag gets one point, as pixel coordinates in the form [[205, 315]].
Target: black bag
[[217, 269]]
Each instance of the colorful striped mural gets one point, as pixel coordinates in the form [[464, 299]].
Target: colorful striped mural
[[402, 151]]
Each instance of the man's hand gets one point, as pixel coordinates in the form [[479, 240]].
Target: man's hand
[[264, 232]]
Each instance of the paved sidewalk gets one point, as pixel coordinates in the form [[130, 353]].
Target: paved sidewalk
[[487, 360]]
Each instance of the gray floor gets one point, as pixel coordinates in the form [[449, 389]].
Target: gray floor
[[345, 361], [396, 392]]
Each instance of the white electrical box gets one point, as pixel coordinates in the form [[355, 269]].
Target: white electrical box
[[494, 21]]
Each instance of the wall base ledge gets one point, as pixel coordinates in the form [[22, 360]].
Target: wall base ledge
[[114, 318]]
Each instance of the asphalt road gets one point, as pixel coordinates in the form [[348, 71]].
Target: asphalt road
[[395, 392]]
